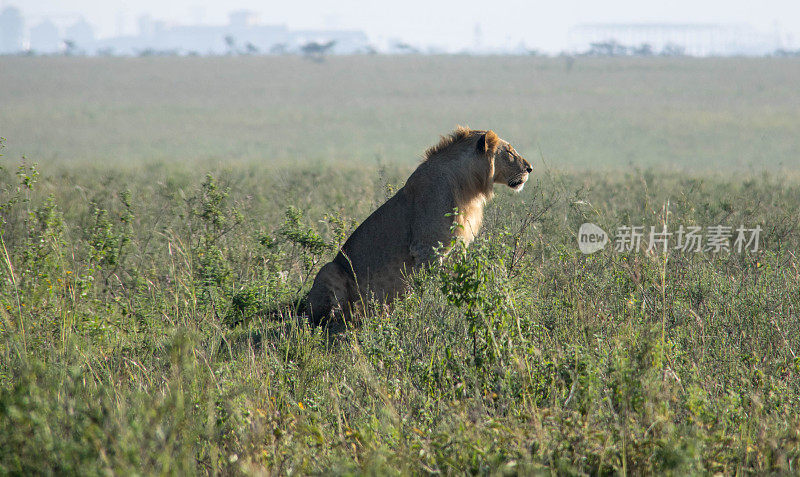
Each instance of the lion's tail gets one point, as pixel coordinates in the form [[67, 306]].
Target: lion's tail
[[295, 309]]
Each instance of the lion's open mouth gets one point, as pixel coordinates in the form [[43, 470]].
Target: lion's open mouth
[[517, 184]]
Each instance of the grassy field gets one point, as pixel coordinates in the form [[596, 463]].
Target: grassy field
[[670, 113], [176, 201]]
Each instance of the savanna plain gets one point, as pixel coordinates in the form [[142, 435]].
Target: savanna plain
[[161, 219]]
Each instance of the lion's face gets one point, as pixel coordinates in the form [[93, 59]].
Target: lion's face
[[510, 168]]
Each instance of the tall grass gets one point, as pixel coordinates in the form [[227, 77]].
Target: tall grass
[[120, 352]]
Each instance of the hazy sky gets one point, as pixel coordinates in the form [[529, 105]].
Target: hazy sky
[[450, 24]]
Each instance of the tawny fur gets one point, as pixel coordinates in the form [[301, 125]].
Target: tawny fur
[[404, 233]]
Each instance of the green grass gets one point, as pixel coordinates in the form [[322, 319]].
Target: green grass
[[121, 280]]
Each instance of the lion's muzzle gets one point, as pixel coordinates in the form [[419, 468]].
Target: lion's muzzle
[[518, 182]]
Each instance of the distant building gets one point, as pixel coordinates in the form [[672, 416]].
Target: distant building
[[12, 27], [46, 39], [691, 39], [243, 35], [81, 35], [243, 19]]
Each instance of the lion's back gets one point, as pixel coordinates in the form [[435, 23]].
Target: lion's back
[[378, 251]]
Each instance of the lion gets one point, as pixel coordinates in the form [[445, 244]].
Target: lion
[[404, 233]]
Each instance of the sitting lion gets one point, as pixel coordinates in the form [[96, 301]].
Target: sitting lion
[[403, 233]]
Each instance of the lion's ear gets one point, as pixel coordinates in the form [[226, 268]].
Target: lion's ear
[[487, 143]]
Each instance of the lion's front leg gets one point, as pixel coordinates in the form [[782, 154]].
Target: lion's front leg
[[431, 228], [425, 254], [430, 246], [431, 232]]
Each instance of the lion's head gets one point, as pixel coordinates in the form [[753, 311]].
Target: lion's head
[[507, 167]]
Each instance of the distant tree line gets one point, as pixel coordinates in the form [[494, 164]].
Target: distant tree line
[[787, 53], [614, 48]]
